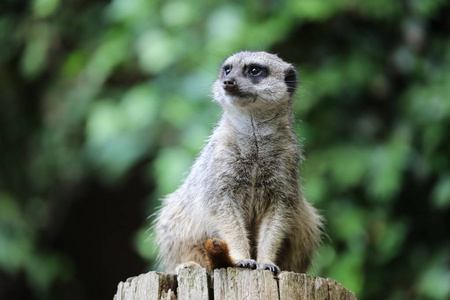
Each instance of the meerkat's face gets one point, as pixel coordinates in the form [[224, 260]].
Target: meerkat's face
[[255, 80]]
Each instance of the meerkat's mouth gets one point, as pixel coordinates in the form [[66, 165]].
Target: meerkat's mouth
[[242, 99], [238, 94], [235, 92]]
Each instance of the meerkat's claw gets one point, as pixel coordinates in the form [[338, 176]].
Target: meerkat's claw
[[187, 265], [247, 263], [272, 268]]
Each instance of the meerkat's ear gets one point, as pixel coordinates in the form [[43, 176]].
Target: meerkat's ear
[[290, 78]]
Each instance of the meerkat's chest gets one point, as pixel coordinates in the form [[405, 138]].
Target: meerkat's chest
[[254, 169], [254, 175]]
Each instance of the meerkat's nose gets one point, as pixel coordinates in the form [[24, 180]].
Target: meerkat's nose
[[229, 84]]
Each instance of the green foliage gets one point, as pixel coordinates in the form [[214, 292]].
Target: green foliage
[[92, 90], [19, 249]]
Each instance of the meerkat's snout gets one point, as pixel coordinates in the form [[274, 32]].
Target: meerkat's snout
[[232, 88], [230, 85]]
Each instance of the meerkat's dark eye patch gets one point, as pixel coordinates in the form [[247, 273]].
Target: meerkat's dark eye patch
[[290, 78], [256, 72], [226, 70]]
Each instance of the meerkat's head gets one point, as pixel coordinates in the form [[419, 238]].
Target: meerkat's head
[[255, 81]]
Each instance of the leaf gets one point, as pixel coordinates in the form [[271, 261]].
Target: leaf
[[441, 192]]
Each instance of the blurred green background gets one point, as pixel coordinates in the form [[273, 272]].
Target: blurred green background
[[104, 105]]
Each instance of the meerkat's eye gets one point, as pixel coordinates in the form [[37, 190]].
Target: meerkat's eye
[[226, 70], [254, 71]]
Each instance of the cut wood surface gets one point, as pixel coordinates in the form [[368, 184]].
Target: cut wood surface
[[231, 283]]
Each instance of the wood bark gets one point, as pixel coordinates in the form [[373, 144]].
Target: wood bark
[[231, 283]]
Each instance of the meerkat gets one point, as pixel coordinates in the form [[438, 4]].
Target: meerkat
[[243, 194]]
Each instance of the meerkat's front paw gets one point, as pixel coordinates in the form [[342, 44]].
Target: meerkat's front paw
[[247, 263], [187, 265], [271, 267]]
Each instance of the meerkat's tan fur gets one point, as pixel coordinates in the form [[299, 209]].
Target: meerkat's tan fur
[[244, 187]]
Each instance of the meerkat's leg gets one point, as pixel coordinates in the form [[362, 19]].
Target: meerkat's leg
[[272, 231], [231, 226], [180, 238]]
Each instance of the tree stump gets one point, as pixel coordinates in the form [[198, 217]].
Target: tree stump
[[231, 283]]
